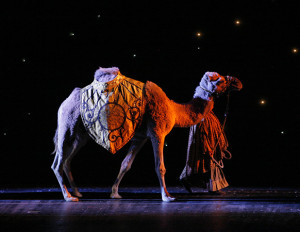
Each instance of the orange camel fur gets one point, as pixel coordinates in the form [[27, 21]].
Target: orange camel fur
[[162, 114]]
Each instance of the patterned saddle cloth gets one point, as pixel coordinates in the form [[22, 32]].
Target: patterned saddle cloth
[[111, 111]]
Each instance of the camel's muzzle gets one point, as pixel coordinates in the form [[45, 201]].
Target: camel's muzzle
[[234, 83]]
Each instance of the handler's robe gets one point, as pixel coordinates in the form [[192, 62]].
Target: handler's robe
[[200, 169]]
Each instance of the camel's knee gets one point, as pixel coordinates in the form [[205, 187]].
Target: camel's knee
[[67, 165], [57, 164], [54, 166], [126, 164], [125, 167], [56, 170], [161, 170]]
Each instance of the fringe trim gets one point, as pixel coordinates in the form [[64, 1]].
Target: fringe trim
[[217, 180]]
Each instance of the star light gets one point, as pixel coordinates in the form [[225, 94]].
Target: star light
[[23, 60], [71, 34], [237, 22], [262, 102], [282, 132], [295, 50], [199, 34], [134, 55]]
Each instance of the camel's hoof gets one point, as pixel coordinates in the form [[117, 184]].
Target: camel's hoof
[[71, 199], [77, 194], [168, 198], [115, 196]]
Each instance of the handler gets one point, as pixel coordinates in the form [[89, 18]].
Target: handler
[[207, 146]]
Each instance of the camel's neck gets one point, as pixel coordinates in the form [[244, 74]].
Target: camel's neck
[[193, 112], [202, 93]]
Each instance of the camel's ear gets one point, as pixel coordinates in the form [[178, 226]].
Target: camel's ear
[[212, 76], [208, 78]]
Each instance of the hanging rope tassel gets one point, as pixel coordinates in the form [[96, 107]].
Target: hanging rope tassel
[[220, 137]]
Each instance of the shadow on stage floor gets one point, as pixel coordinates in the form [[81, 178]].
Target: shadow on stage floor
[[141, 209]]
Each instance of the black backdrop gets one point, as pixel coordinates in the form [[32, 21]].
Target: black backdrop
[[49, 49]]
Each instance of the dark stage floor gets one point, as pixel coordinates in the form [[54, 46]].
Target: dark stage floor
[[240, 209]]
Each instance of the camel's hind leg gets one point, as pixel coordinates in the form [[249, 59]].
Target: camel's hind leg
[[137, 144], [67, 168], [57, 167], [62, 163], [70, 136]]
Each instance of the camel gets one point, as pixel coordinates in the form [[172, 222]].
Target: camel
[[161, 116]]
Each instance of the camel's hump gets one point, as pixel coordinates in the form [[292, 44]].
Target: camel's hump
[[106, 74], [153, 91]]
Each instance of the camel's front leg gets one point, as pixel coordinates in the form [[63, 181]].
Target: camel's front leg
[[158, 146], [137, 144]]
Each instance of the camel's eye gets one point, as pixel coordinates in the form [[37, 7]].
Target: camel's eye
[[220, 82]]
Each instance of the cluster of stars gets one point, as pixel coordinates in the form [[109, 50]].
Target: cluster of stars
[[199, 34], [237, 22]]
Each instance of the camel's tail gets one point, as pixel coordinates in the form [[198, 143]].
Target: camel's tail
[[55, 138]]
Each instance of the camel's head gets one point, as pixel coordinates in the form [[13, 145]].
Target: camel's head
[[233, 83], [216, 84]]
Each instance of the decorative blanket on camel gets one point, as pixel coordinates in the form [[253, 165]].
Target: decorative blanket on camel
[[111, 111]]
